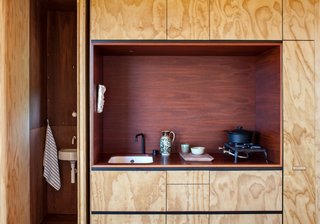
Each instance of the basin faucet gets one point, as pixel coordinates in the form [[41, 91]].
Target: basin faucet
[[73, 138], [143, 142]]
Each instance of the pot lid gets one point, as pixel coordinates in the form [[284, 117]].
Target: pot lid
[[240, 130]]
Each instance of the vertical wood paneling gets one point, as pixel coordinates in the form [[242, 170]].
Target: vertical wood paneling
[[246, 219], [82, 83], [246, 20], [299, 19], [188, 19], [299, 131], [128, 191], [134, 19], [188, 219], [245, 190], [188, 177], [128, 219], [14, 112], [188, 197], [317, 102]]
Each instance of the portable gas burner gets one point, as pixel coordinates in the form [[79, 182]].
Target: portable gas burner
[[243, 150]]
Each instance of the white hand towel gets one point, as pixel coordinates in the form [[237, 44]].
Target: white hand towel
[[50, 161]]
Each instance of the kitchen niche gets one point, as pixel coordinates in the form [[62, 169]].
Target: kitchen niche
[[196, 89]]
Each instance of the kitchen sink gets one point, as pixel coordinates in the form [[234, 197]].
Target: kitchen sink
[[131, 159]]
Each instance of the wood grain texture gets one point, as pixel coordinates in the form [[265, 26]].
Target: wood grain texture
[[14, 112], [268, 103], [299, 19], [246, 20], [299, 198], [188, 19], [299, 106], [188, 219], [128, 219], [128, 191], [245, 190], [134, 19], [174, 92], [82, 118], [188, 197], [299, 131], [188, 177], [246, 218], [61, 67]]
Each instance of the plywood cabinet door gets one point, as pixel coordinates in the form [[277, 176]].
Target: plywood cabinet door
[[299, 131], [246, 20], [128, 219], [299, 19], [122, 19], [245, 190], [188, 19], [246, 218], [188, 219], [128, 191]]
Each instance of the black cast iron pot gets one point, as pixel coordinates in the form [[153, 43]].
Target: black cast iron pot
[[239, 135]]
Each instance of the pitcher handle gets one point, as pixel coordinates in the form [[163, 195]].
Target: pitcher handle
[[173, 136]]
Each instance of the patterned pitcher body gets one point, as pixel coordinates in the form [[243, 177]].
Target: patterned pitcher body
[[166, 142]]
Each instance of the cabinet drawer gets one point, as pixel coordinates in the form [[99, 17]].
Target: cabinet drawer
[[188, 197], [128, 190], [245, 190], [190, 219], [188, 177], [128, 219], [246, 219]]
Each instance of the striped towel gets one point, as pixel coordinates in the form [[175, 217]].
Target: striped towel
[[50, 161]]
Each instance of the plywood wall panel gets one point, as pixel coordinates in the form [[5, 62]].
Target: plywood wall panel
[[246, 20], [120, 19], [14, 112], [299, 19], [245, 190], [299, 131], [61, 68], [188, 20], [153, 93]]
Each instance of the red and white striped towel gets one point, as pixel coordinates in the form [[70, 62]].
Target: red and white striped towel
[[50, 161]]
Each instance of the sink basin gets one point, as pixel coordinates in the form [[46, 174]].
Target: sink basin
[[131, 159], [68, 154]]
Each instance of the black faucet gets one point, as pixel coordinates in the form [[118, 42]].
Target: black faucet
[[143, 142]]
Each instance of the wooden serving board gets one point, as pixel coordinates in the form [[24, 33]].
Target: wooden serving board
[[191, 157]]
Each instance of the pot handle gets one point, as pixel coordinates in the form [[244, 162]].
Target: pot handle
[[173, 136]]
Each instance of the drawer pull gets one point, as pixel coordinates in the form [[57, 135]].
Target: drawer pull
[[299, 168]]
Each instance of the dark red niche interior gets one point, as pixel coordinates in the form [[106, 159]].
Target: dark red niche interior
[[197, 95]]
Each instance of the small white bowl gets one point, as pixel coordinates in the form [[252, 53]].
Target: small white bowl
[[197, 150]]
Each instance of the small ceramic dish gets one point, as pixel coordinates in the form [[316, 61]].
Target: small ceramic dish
[[199, 150]]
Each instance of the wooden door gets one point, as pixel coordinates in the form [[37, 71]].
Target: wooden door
[[128, 191], [121, 19], [188, 19], [246, 20], [246, 219], [128, 219], [299, 131]]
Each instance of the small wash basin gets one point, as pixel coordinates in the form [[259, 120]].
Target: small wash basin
[[131, 159], [68, 154]]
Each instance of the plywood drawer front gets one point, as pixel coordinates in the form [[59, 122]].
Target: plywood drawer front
[[128, 219], [188, 177], [128, 190], [134, 19], [188, 219], [245, 190], [188, 197], [246, 219]]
